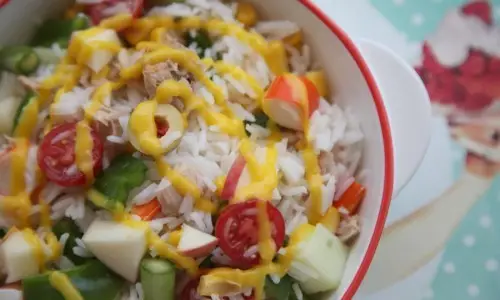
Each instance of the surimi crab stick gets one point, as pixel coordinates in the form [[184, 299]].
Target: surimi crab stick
[[290, 100]]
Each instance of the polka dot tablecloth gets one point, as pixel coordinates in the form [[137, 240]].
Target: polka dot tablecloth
[[419, 18], [469, 268], [470, 263], [457, 55]]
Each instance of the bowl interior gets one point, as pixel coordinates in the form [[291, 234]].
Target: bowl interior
[[348, 81], [351, 89]]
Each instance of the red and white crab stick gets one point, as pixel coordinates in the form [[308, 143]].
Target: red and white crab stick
[[290, 100]]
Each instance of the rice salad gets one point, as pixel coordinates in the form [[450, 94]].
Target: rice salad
[[173, 150]]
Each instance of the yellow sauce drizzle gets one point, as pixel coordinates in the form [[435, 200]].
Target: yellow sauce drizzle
[[264, 178], [185, 187], [27, 120], [32, 239], [161, 247], [83, 150], [63, 284]]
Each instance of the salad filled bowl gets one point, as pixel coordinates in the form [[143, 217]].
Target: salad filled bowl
[[196, 149]]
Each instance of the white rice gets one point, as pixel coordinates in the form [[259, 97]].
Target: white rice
[[81, 250], [65, 263], [204, 153], [133, 291], [276, 30], [298, 292], [63, 239]]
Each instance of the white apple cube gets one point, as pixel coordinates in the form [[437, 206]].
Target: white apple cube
[[87, 41], [120, 247], [196, 243], [18, 258]]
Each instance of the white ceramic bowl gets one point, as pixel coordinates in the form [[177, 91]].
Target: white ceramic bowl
[[386, 95]]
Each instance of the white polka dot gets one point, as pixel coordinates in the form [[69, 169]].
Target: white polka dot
[[491, 265], [428, 294], [485, 221], [469, 240], [449, 268], [398, 2], [473, 290], [417, 19]]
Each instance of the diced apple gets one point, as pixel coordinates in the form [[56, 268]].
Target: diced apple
[[85, 45], [289, 100], [119, 246], [196, 243], [18, 257], [232, 178]]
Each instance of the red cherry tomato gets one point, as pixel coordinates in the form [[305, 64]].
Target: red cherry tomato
[[162, 127], [237, 230], [190, 292], [105, 9], [56, 155]]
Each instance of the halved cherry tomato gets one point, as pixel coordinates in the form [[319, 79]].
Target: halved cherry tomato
[[56, 155], [190, 292], [237, 230], [161, 126], [351, 198], [97, 12]]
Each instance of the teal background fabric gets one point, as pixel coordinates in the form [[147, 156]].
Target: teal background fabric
[[418, 18], [470, 266]]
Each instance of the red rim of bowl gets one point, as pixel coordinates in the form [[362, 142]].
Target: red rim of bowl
[[387, 140]]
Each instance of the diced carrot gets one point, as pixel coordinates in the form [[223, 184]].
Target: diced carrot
[[351, 199], [147, 211]]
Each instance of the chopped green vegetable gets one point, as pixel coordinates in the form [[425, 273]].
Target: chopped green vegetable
[[47, 55], [280, 291], [59, 31], [125, 173], [218, 56], [158, 279], [30, 96], [19, 59], [324, 253], [261, 120], [207, 263], [93, 280], [66, 225], [201, 40]]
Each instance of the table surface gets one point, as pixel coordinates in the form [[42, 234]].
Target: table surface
[[440, 240]]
